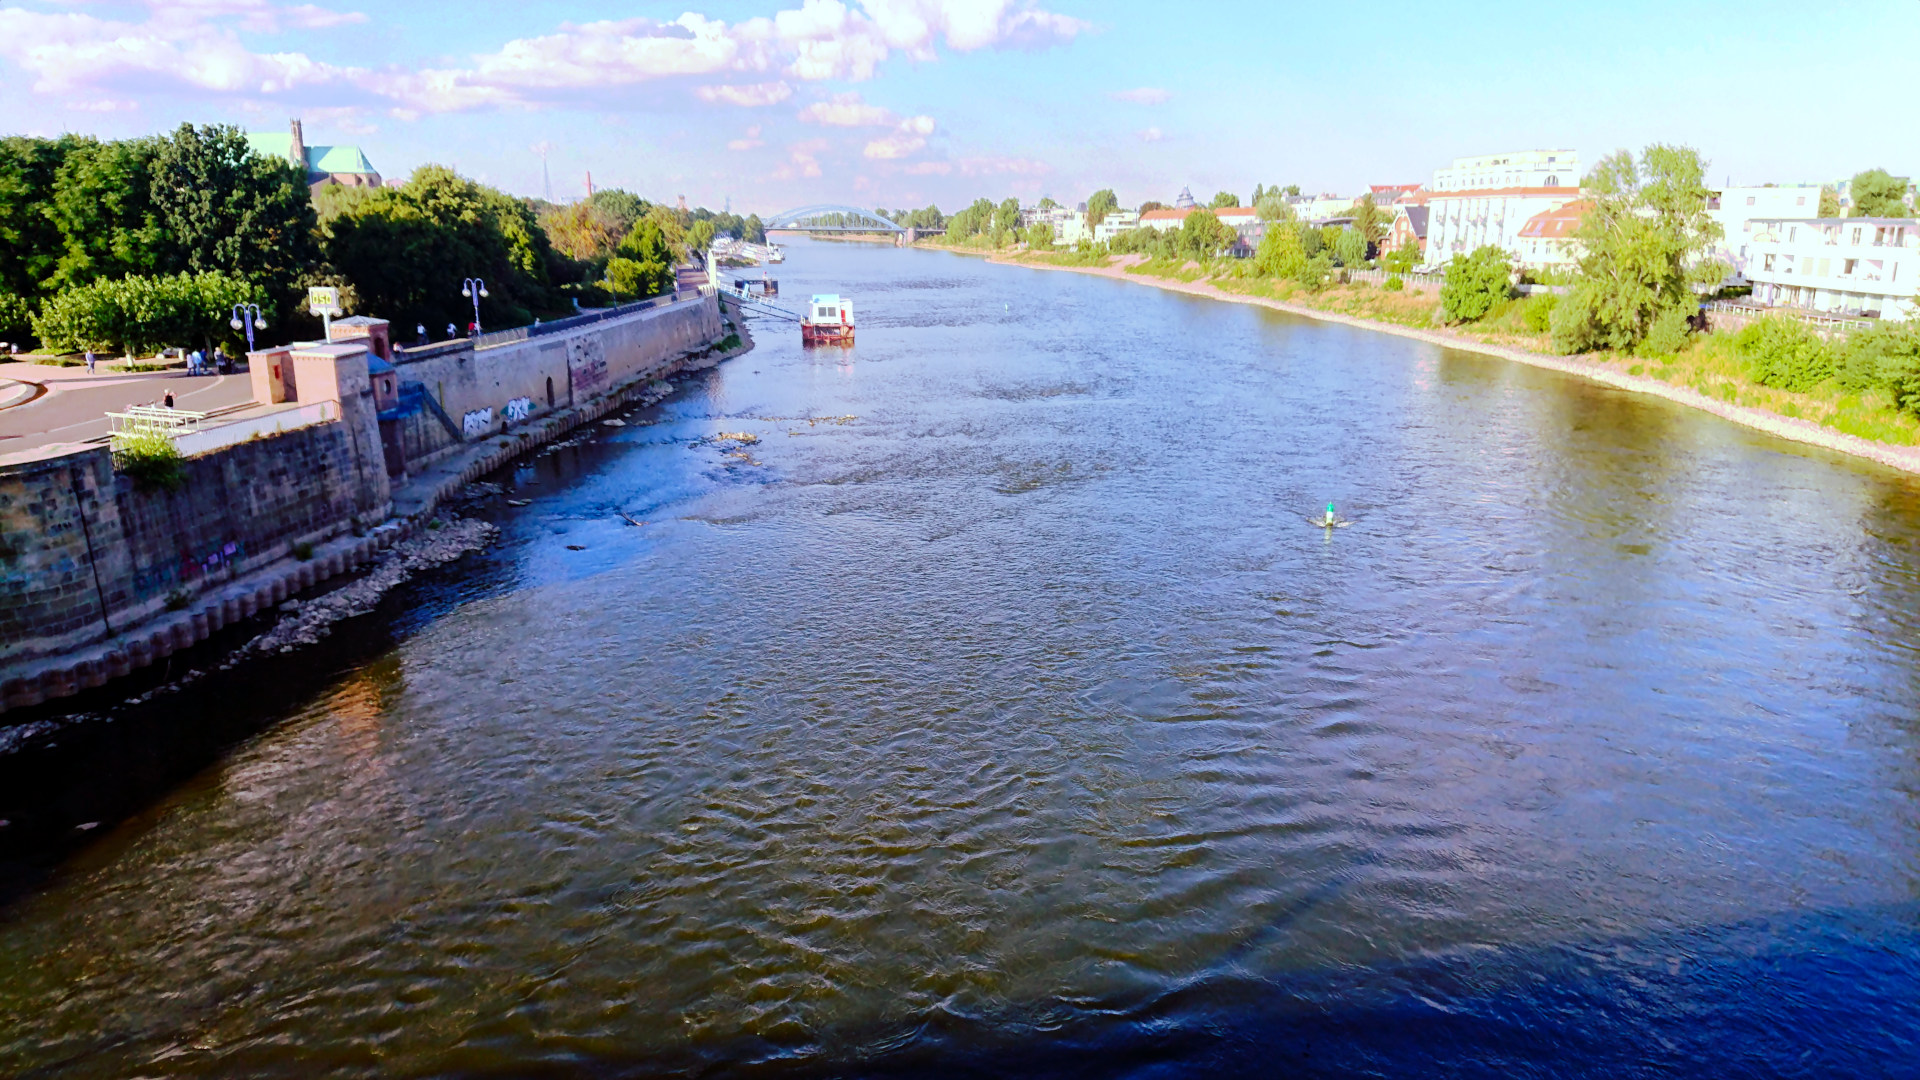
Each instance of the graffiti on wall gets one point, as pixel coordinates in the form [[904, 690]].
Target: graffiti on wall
[[587, 365], [518, 409], [477, 422]]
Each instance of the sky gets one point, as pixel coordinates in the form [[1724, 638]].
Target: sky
[[772, 104]]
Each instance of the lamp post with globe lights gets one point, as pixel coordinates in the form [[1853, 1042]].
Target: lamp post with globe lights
[[248, 317], [475, 288]]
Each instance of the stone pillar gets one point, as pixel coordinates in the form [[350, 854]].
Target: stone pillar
[[272, 375], [339, 373]]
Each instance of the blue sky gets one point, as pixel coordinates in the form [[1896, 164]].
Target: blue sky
[[890, 103]]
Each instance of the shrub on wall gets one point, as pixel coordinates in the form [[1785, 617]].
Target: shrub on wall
[[150, 458]]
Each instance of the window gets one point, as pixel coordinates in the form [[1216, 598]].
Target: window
[[1826, 267], [1793, 233], [1801, 201], [1749, 200], [1553, 181], [1847, 267], [1768, 266], [1856, 236]]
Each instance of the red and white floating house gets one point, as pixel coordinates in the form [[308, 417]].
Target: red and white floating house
[[829, 321]]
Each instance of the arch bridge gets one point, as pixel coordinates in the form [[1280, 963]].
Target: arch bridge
[[829, 218]]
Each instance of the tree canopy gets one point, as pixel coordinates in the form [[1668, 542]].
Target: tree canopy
[[1223, 199], [1100, 204], [407, 249], [1875, 193], [1474, 283], [1644, 239]]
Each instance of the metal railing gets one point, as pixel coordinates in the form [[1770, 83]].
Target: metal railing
[[585, 318], [1816, 319]]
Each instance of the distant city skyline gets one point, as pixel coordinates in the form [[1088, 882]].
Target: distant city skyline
[[907, 102]]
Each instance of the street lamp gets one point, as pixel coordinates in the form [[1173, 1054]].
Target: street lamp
[[248, 317], [475, 288]]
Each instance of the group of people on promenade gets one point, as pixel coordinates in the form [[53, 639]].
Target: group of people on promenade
[[198, 362]]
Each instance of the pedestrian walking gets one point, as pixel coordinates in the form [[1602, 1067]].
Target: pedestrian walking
[[91, 358], [420, 333], [451, 332], [219, 360], [167, 402]]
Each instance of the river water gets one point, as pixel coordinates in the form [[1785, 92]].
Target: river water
[[1000, 713]]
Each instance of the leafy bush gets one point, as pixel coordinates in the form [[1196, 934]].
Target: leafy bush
[[1394, 283], [1667, 335], [150, 458], [1475, 283], [138, 314], [16, 316], [1537, 313], [1883, 357], [1784, 353]]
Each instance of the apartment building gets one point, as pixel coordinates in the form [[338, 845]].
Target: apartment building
[[1847, 266], [1736, 209], [1487, 200]]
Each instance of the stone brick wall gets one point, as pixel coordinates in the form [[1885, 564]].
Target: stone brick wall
[[65, 516]]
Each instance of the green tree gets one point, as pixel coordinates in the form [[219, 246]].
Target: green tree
[[1047, 203], [1099, 205], [1350, 247], [642, 265], [141, 314], [30, 240], [1368, 220], [1280, 253], [700, 236], [1829, 203], [102, 204], [1645, 237], [1403, 258], [1007, 218], [1475, 283], [1223, 199], [16, 316], [1202, 235], [1292, 191], [1274, 207], [755, 231], [229, 209], [1875, 193], [407, 249], [1038, 236], [1259, 193], [620, 207]]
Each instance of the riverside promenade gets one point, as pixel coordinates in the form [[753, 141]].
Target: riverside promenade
[[103, 577]]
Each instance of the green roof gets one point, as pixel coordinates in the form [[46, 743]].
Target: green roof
[[326, 159]]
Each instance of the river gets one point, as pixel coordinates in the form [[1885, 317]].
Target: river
[[1000, 713]]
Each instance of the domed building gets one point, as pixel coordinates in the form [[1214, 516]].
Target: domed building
[[1185, 201]]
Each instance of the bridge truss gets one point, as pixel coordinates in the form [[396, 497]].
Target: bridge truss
[[828, 218]]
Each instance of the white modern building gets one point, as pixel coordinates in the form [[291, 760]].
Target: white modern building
[[1737, 208], [1487, 200], [1115, 223], [1837, 265]]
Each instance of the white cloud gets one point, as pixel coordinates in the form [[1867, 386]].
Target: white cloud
[[175, 49], [1151, 134], [846, 110], [195, 46], [908, 137], [751, 141], [104, 105], [749, 96], [1145, 95]]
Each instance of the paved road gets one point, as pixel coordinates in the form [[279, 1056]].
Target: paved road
[[74, 407]]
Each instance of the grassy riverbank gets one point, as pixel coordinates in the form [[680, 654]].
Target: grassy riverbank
[[1708, 373]]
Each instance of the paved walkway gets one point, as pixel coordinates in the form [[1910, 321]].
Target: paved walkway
[[65, 404]]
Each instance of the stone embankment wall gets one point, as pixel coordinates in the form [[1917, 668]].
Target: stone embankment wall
[[485, 391], [85, 552], [97, 571]]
